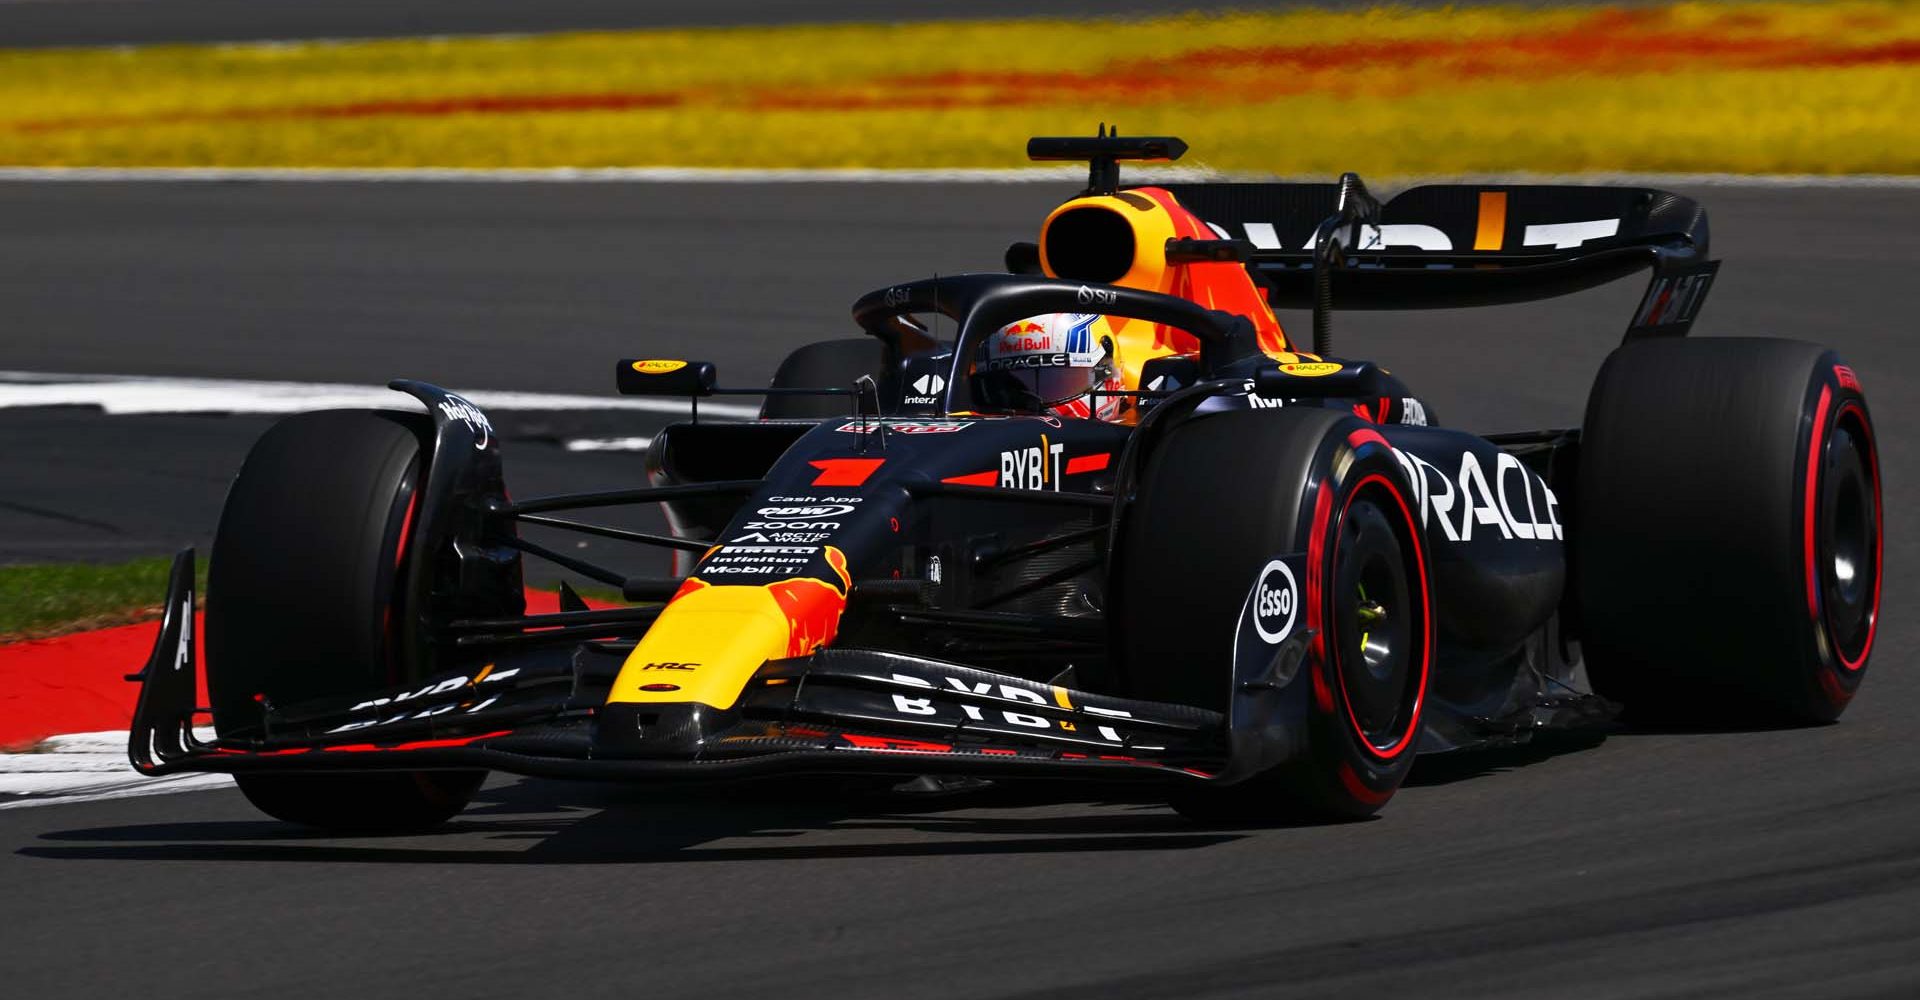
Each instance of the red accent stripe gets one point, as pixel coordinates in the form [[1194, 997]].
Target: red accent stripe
[[893, 744], [1813, 483], [976, 479], [1367, 435], [998, 752], [1087, 463], [845, 471]]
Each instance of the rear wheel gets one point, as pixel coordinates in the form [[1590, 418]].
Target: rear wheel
[[826, 364], [1726, 537], [1220, 497], [305, 597]]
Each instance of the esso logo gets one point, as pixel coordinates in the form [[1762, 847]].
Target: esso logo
[[808, 512], [1276, 599]]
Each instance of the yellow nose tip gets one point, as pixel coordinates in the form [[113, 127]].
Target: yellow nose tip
[[704, 648], [709, 639]]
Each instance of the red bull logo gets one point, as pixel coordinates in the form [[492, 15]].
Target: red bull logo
[[813, 607], [1015, 344]]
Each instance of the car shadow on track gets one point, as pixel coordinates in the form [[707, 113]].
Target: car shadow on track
[[542, 822]]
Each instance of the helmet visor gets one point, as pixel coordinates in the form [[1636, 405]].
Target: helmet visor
[[1031, 382], [1037, 363]]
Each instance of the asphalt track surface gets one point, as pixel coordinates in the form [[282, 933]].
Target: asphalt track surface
[[45, 23], [1677, 863]]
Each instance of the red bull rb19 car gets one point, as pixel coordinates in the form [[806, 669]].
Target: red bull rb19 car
[[1115, 526]]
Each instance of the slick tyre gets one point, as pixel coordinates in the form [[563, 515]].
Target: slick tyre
[[304, 593], [1222, 495], [825, 364], [1727, 532]]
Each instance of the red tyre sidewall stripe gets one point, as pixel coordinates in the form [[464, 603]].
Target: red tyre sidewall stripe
[[1357, 787], [1316, 621], [399, 560], [406, 529], [1809, 527], [1426, 623], [1879, 538]]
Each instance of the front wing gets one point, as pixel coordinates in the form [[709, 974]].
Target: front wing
[[543, 713]]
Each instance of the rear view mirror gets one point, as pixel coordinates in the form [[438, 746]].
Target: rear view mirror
[[660, 377]]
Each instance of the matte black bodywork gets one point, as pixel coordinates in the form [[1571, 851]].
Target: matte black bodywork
[[978, 547]]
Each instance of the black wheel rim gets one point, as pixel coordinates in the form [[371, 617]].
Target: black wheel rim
[[1848, 557], [1373, 627]]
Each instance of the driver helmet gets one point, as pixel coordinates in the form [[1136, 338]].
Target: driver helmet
[[1050, 364]]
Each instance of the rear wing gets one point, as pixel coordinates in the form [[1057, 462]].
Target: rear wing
[[1437, 246]]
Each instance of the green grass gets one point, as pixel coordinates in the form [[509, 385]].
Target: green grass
[[41, 600], [51, 599]]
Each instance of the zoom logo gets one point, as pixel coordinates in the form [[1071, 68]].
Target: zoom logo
[[1276, 599], [808, 512]]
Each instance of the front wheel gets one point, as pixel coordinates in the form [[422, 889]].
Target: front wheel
[[305, 597], [1220, 498]]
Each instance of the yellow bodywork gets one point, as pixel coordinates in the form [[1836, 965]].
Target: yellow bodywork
[[709, 639], [707, 644], [1154, 216]]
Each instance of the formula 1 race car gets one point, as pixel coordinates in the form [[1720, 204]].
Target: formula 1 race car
[[1114, 526]]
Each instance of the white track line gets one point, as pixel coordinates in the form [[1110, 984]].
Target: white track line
[[130, 394], [87, 767], [609, 444], [866, 175]]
